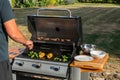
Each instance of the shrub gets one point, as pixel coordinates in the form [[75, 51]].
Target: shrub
[[13, 2], [36, 3], [26, 3]]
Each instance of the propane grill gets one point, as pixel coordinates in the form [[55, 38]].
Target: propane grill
[[56, 41]]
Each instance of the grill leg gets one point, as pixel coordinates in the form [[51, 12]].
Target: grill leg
[[14, 76]]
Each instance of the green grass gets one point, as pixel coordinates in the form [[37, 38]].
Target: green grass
[[101, 24], [108, 42]]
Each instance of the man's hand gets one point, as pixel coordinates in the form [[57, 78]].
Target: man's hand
[[29, 44], [12, 56]]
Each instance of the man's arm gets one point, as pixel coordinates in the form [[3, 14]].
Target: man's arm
[[15, 34]]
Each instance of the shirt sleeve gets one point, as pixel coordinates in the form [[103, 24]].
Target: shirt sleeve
[[6, 11]]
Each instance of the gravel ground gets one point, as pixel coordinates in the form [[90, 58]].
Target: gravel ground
[[111, 72]]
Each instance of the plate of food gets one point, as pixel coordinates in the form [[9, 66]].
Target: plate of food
[[83, 58]]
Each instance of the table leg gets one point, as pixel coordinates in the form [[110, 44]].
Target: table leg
[[75, 73], [84, 75]]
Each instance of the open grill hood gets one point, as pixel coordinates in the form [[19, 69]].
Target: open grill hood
[[55, 29]]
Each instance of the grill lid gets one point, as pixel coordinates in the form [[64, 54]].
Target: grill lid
[[55, 28]]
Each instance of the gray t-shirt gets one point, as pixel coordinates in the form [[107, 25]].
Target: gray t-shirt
[[5, 15]]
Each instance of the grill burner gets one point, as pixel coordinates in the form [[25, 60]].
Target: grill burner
[[58, 35]]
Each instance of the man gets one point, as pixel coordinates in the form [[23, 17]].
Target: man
[[8, 27]]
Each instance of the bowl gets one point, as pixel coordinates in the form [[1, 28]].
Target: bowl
[[86, 48], [97, 53]]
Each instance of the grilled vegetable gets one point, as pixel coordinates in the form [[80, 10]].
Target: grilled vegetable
[[33, 54], [36, 54], [57, 59], [49, 55], [41, 54], [65, 58]]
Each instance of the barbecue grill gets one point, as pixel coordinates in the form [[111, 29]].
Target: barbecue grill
[[56, 41]]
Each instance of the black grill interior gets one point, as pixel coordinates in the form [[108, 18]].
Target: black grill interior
[[57, 50]]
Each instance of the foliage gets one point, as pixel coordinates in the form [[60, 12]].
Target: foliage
[[42, 3], [13, 2], [37, 3], [116, 1], [100, 1], [26, 3]]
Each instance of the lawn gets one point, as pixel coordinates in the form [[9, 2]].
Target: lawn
[[100, 22]]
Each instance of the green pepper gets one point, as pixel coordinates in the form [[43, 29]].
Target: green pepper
[[65, 60], [32, 56], [60, 59], [36, 55]]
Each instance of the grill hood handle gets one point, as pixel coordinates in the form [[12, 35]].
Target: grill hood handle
[[54, 9]]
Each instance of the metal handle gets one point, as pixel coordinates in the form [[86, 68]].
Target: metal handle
[[12, 61], [54, 9], [55, 68], [36, 65], [19, 63]]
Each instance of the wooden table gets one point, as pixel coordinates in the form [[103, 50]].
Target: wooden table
[[91, 66], [80, 69]]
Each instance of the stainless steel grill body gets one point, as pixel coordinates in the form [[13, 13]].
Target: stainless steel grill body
[[60, 35], [41, 67]]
